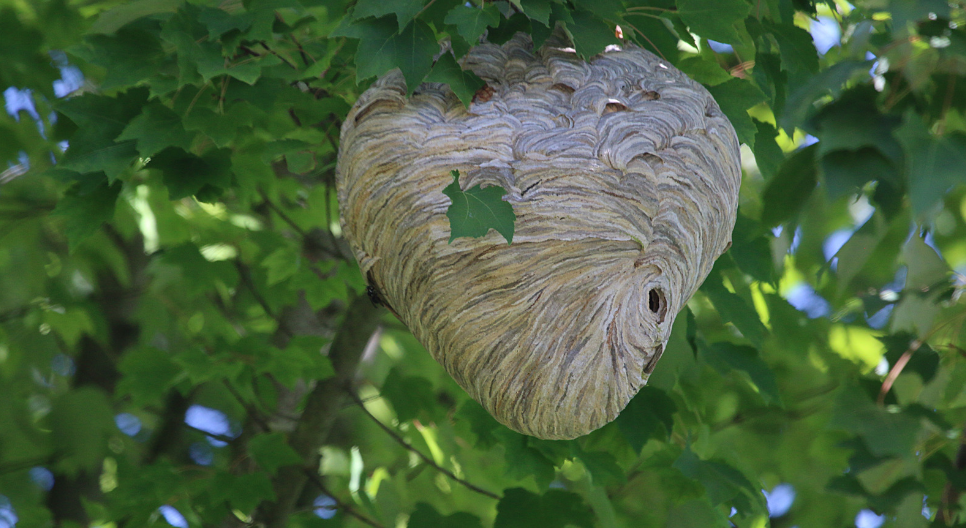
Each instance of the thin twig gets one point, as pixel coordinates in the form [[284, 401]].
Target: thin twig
[[247, 280], [314, 479], [425, 458], [253, 413], [279, 55], [282, 214], [643, 36]]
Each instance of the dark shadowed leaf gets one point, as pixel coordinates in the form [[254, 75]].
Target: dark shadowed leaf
[[787, 192], [735, 97], [80, 421], [472, 21], [649, 414], [464, 83], [554, 509], [934, 164], [713, 19], [409, 395], [590, 34], [696, 514], [722, 482], [86, 206], [886, 433], [271, 451], [405, 10], [156, 128], [797, 50], [383, 49], [148, 374], [426, 516], [725, 357]]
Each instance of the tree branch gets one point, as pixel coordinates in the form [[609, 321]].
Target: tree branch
[[321, 408], [314, 479], [399, 440]]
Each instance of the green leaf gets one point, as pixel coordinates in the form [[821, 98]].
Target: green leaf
[[85, 207], [128, 57], [845, 172], [464, 83], [554, 509], [186, 174], [481, 423], [472, 21], [474, 212], [198, 275], [602, 466], [383, 49], [855, 253], [704, 71], [725, 356], [425, 516], [714, 19], [927, 279], [933, 163], [800, 101], [80, 422], [786, 193], [409, 395], [242, 492], [722, 482], [751, 250], [538, 10], [523, 461], [218, 21], [405, 10], [734, 309], [886, 433], [696, 514], [649, 414], [99, 120], [854, 122], [271, 451], [156, 128], [590, 34], [111, 20], [315, 364], [147, 374], [796, 47], [221, 128], [735, 97], [25, 61], [282, 264]]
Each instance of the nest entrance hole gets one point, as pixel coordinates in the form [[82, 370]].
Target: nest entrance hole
[[657, 304]]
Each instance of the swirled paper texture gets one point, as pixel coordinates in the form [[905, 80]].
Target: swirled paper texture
[[623, 174]]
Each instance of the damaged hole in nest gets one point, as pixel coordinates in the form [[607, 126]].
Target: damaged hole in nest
[[656, 304], [614, 106]]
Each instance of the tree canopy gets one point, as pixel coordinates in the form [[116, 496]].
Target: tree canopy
[[186, 340]]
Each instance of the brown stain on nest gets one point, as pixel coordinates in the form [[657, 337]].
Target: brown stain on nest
[[623, 174]]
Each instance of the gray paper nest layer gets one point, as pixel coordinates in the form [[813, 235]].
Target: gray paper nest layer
[[623, 174]]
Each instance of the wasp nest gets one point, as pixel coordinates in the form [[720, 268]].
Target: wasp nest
[[623, 174]]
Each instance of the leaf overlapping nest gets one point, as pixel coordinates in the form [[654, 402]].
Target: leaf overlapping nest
[[623, 174]]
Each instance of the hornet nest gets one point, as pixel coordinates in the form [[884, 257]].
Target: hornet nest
[[623, 174]]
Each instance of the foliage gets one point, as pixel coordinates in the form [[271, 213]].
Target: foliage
[[170, 281], [473, 212]]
